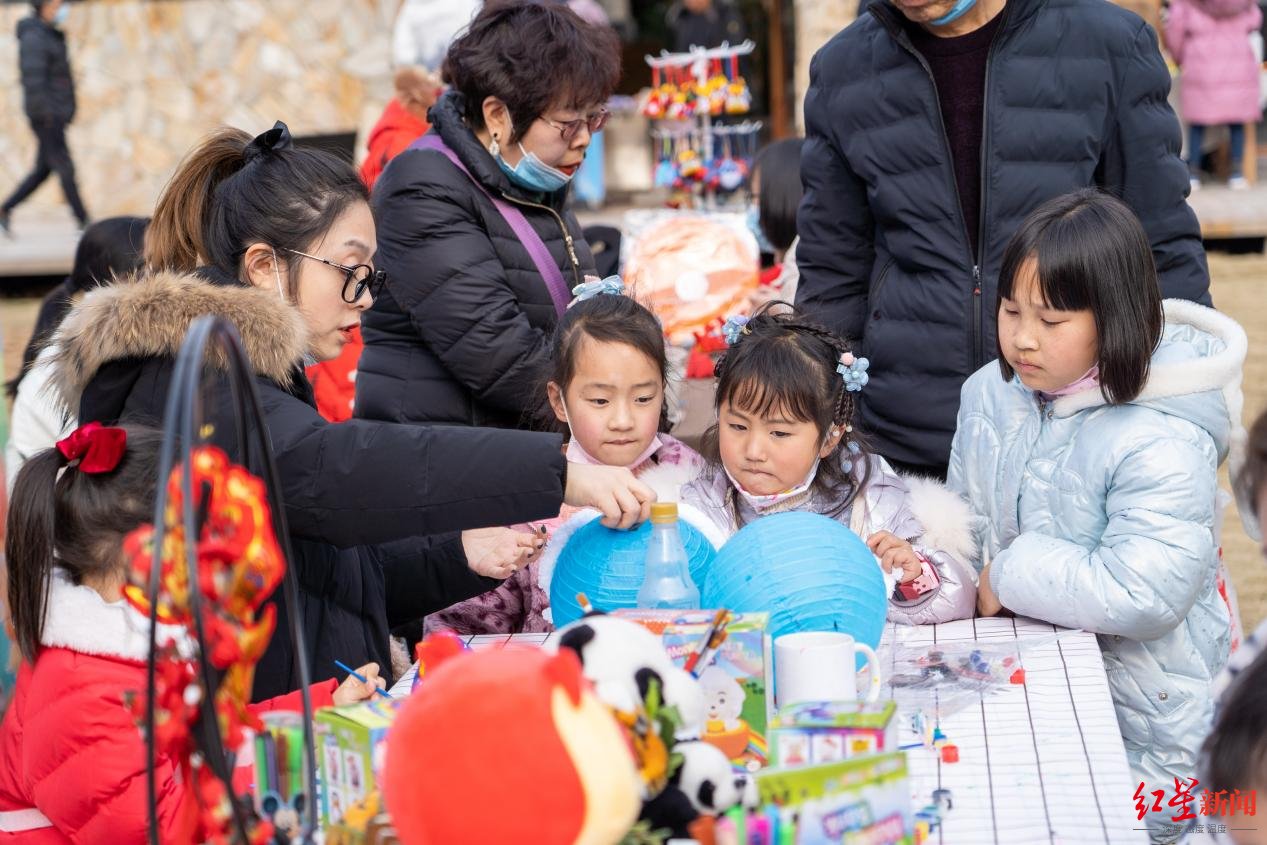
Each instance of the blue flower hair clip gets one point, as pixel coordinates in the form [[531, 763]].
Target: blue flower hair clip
[[853, 452], [853, 371], [589, 290], [734, 327]]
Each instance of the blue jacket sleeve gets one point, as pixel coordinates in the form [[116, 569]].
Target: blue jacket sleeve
[[1154, 558]]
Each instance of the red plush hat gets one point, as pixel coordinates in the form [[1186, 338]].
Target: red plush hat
[[509, 745]]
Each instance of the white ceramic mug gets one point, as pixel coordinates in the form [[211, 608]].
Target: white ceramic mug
[[821, 666]]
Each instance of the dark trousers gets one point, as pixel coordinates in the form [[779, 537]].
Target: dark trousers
[[52, 156]]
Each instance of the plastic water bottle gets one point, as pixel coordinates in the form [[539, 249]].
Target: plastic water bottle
[[667, 583]]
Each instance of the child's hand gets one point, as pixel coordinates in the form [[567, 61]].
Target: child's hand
[[500, 552], [351, 691], [988, 603], [896, 553]]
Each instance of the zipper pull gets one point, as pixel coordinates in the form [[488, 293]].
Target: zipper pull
[[976, 276], [567, 239]]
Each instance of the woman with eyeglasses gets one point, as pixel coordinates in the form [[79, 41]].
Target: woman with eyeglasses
[[461, 334], [280, 240]]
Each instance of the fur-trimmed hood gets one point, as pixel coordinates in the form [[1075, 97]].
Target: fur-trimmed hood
[[148, 316]]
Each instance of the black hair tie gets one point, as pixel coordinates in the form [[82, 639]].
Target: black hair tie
[[267, 143]]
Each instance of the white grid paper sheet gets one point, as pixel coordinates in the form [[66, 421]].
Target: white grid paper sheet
[[1040, 762]]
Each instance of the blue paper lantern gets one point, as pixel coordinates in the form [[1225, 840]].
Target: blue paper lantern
[[608, 566], [810, 572]]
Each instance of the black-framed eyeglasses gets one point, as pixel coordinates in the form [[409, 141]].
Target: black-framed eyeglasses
[[358, 278], [570, 128]]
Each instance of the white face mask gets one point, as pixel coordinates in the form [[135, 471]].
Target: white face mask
[[576, 452], [771, 502]]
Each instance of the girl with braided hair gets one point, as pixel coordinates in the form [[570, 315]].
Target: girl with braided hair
[[785, 440]]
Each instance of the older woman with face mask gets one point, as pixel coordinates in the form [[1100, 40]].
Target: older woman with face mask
[[473, 229]]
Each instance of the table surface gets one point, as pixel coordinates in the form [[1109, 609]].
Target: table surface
[[1039, 762]]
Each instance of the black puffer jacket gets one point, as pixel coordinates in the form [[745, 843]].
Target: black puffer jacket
[[1075, 96], [461, 332], [47, 88], [346, 486]]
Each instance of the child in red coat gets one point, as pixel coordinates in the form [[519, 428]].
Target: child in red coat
[[72, 759]]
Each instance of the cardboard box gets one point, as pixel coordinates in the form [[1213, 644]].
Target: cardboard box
[[738, 683], [867, 799], [829, 731], [351, 748]]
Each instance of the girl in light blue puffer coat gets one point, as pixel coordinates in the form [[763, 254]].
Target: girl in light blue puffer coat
[[1091, 467]]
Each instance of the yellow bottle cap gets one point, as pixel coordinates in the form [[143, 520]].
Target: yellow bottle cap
[[662, 512]]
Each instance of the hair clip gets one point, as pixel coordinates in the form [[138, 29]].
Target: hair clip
[[266, 143], [588, 290], [97, 448], [853, 371], [734, 327]]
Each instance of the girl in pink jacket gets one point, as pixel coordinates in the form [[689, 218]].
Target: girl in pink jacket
[[1209, 40]]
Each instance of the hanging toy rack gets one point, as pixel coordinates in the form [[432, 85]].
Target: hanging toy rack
[[690, 90]]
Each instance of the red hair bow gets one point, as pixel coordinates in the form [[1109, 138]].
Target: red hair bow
[[97, 448]]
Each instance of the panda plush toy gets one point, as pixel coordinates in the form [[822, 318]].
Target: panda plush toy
[[621, 659]]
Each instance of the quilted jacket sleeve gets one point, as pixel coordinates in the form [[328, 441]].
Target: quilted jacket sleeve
[[837, 247], [35, 61], [450, 281], [1141, 166], [361, 482], [96, 792], [1155, 556], [893, 508], [426, 574]]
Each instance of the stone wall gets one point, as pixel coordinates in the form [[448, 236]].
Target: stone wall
[[153, 77], [816, 22]]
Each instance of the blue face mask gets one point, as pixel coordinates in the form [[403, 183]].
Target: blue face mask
[[954, 14], [60, 16], [533, 174], [754, 226]]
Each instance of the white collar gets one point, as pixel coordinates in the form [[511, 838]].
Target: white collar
[[79, 619]]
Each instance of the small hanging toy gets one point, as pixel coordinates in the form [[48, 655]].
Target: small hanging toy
[[666, 171], [738, 97], [717, 90]]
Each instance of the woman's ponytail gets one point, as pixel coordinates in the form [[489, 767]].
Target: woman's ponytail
[[174, 240], [29, 546]]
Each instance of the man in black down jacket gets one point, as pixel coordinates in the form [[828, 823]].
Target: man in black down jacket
[[926, 146], [49, 95]]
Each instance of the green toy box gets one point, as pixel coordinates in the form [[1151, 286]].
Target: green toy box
[[351, 747], [829, 731]]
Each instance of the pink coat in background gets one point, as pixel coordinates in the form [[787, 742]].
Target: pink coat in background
[[1209, 40]]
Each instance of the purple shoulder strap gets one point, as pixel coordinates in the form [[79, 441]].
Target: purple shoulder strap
[[537, 250]]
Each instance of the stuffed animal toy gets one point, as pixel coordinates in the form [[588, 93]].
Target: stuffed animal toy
[[621, 658], [518, 729], [684, 777]]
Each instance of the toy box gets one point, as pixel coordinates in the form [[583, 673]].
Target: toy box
[[866, 799], [830, 731], [738, 684], [350, 751]]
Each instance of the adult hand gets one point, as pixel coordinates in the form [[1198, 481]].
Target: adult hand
[[500, 552], [896, 553], [623, 499], [988, 603], [351, 691]]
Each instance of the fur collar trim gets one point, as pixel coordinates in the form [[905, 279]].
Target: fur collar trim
[[148, 316], [79, 619]]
